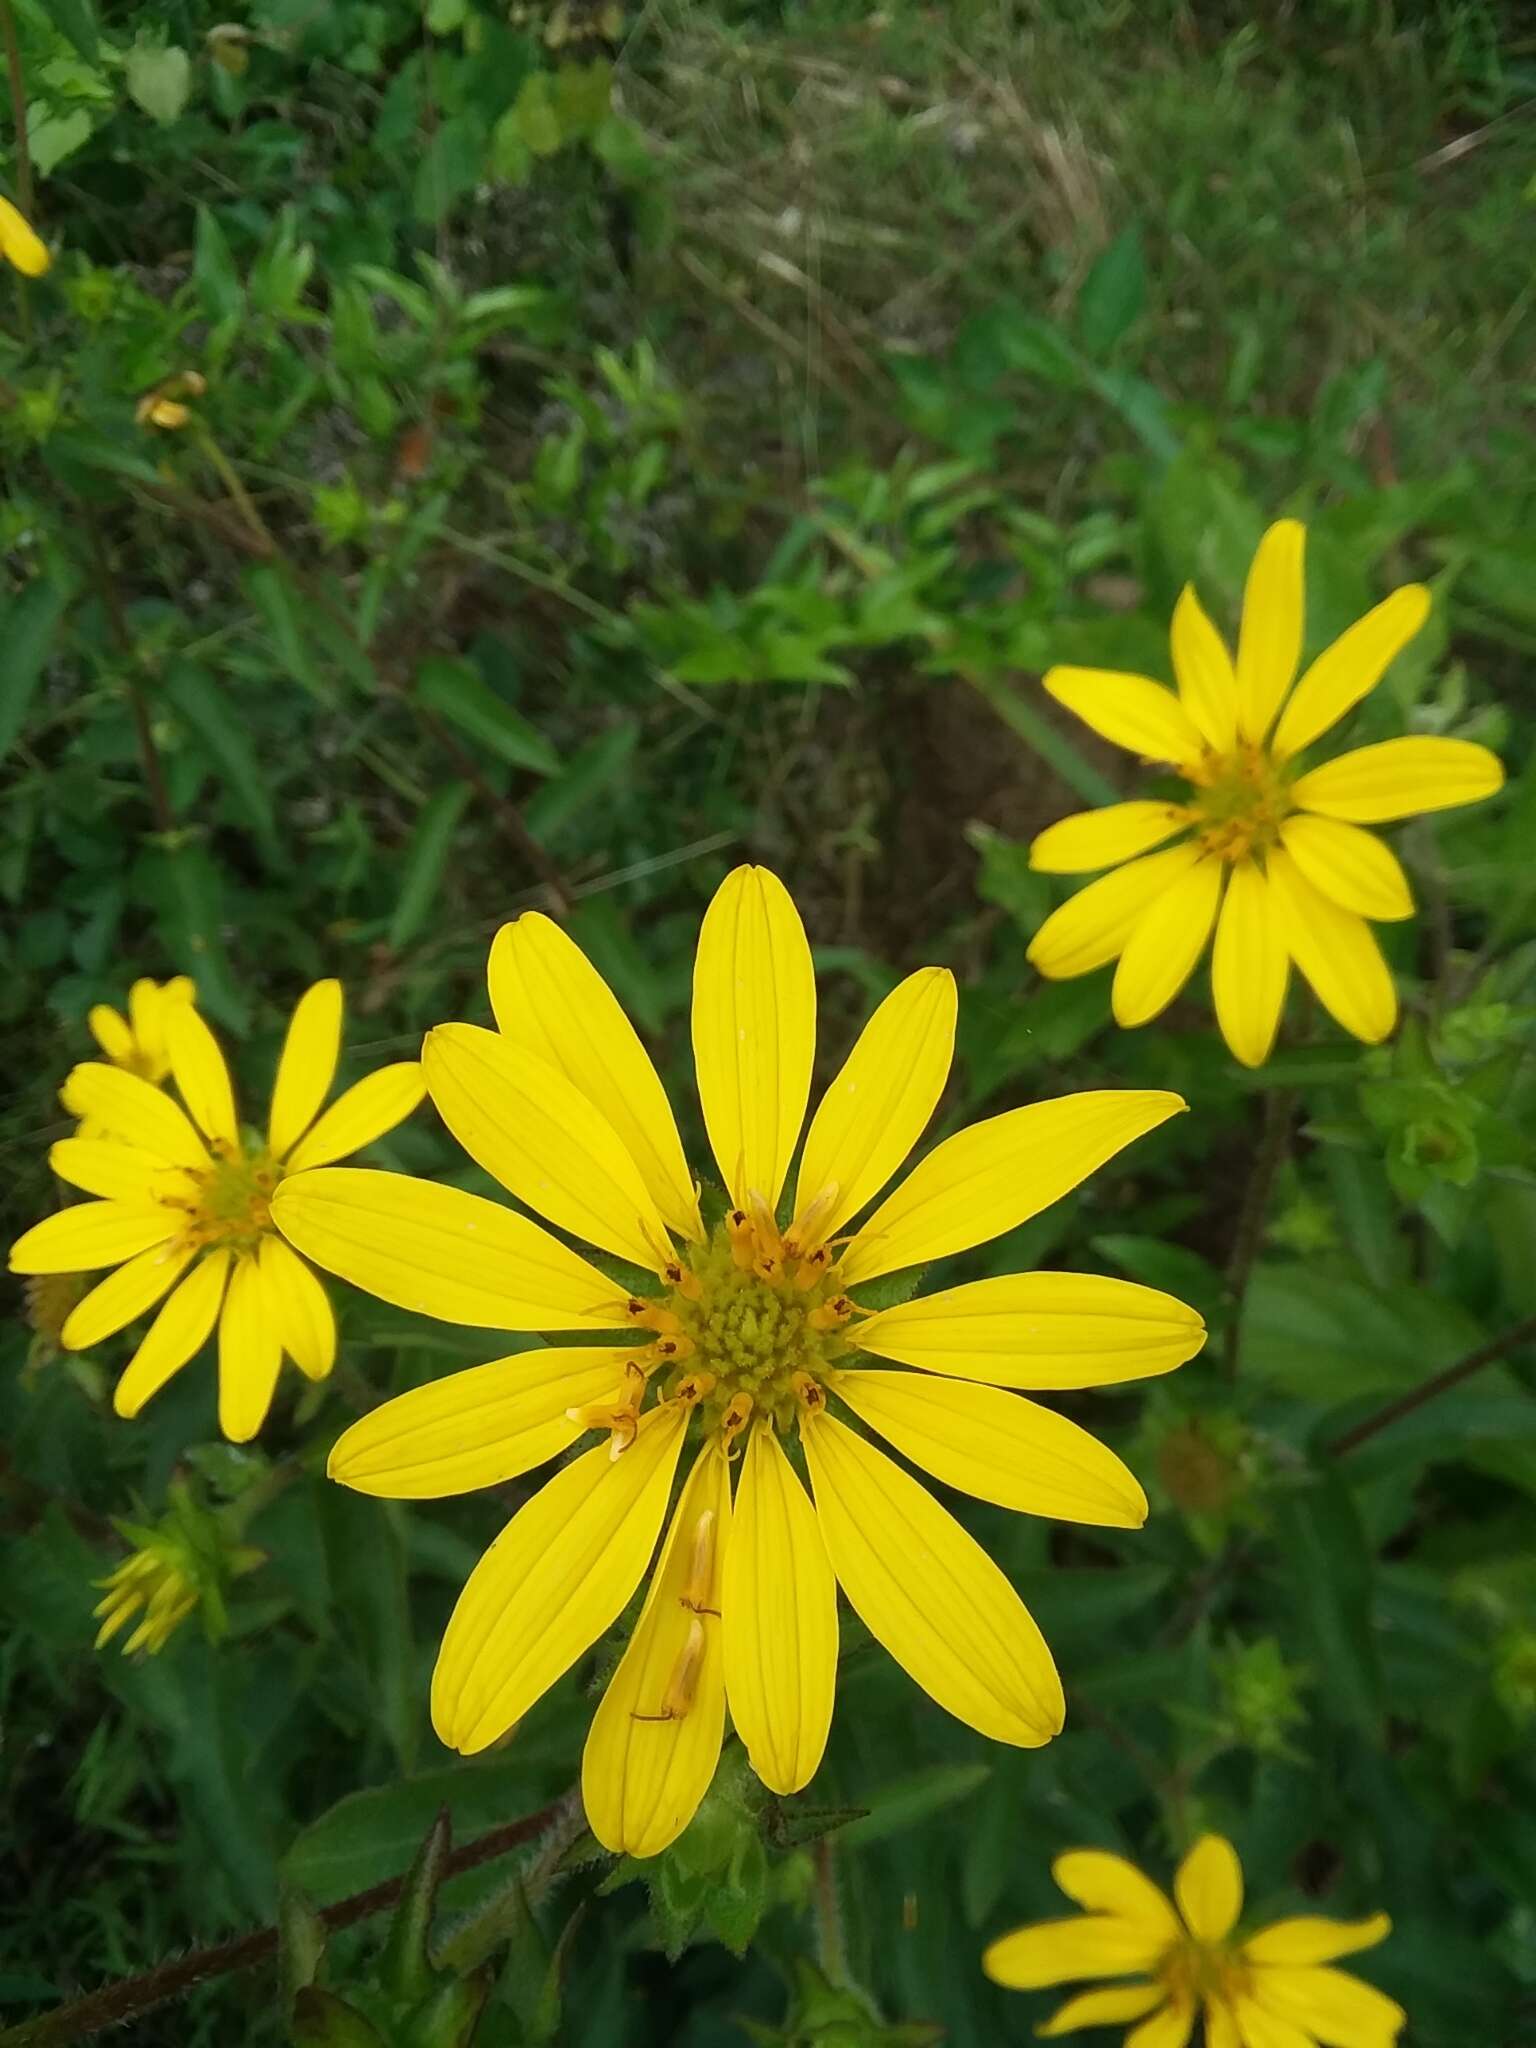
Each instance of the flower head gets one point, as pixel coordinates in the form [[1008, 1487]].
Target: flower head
[[165, 406], [1274, 1989], [185, 1198], [1266, 853], [750, 1338], [177, 1566], [136, 1043], [20, 244]]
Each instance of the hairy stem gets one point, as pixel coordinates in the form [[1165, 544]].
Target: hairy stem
[[1394, 1411]]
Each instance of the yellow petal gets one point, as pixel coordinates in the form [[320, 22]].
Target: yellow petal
[[1168, 939], [754, 1031], [90, 1235], [551, 1001], [1054, 1330], [1132, 711], [1102, 2008], [476, 1428], [880, 1103], [1207, 682], [250, 1352], [1351, 866], [441, 1252], [1057, 1951], [1310, 1938], [1208, 1886], [1336, 951], [201, 1074], [307, 1066], [1102, 839], [1399, 779], [122, 1173], [125, 1295], [1339, 2010], [1350, 669], [135, 1112], [1170, 2028], [177, 1333], [1259, 2028], [300, 1307], [1221, 2027], [780, 1617], [360, 1114], [110, 1031], [525, 1122], [559, 1574], [1269, 642], [994, 1175], [1092, 927], [21, 246], [997, 1446], [926, 1589], [1249, 966], [655, 1738], [1102, 1883]]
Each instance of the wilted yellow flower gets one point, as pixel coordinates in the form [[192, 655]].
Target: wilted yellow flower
[[1270, 1990], [20, 244], [1268, 855], [182, 1193], [163, 407], [749, 1339]]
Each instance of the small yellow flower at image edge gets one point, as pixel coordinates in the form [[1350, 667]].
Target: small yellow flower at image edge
[[183, 1204], [136, 1042], [1273, 1989], [1268, 856], [748, 1339], [20, 243]]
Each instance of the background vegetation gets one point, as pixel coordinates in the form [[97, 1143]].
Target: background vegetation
[[609, 470]]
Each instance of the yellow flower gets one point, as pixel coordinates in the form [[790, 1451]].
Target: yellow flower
[[1272, 859], [1272, 1990], [190, 1195], [747, 1340], [177, 1566], [20, 244], [136, 1043]]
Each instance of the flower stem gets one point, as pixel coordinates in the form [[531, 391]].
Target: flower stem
[[1274, 1143], [1486, 1354]]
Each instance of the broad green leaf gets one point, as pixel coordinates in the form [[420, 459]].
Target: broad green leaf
[[456, 692], [159, 80], [199, 696], [425, 859], [1114, 293], [27, 630], [1328, 1574]]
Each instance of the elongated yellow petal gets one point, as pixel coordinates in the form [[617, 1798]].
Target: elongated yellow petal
[[125, 1295], [1047, 1330], [926, 1589], [994, 1175], [1203, 667], [146, 1016], [1102, 2008], [1330, 2005], [1102, 839], [479, 1427], [132, 1110], [997, 1446], [20, 244], [199, 1070], [1310, 1938], [1250, 966], [1274, 611], [1208, 1886], [1221, 2026], [1091, 928], [1167, 940], [780, 1610], [1336, 951], [655, 1738], [754, 1031], [250, 1352], [1353, 867], [551, 1001], [1058, 1951], [880, 1103], [1350, 669], [360, 1114], [110, 1030], [1399, 779], [1131, 711], [307, 1066], [177, 1333], [302, 1308], [530, 1126], [1258, 2027], [1169, 2028], [121, 1173], [556, 1577], [1103, 1883], [92, 1235], [441, 1252]]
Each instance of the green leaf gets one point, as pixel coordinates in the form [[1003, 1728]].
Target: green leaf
[[159, 80], [895, 1808], [300, 1942], [449, 2015], [589, 771], [1329, 1571], [405, 1965], [425, 859], [197, 694], [77, 18], [456, 692], [27, 629], [213, 268], [322, 2020], [51, 136], [293, 631], [186, 891], [450, 167], [1114, 293]]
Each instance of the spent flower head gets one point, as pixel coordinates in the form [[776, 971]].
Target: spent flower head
[[176, 1567]]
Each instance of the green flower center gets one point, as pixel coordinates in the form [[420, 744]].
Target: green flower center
[[1200, 1970], [234, 1196], [1241, 801]]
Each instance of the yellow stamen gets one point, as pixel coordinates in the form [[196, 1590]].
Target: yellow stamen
[[683, 1685]]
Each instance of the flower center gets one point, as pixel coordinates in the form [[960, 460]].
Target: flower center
[[1241, 802], [232, 1204], [1195, 1971]]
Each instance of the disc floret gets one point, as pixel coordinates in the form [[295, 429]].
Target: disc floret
[[1241, 802], [229, 1202]]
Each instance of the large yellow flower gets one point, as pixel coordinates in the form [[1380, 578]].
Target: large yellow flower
[[190, 1195], [748, 1340], [1272, 1990], [1268, 855]]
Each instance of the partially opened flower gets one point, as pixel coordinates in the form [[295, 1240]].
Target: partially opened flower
[[20, 243], [1265, 851], [185, 1206], [136, 1043], [750, 1343], [1182, 1958]]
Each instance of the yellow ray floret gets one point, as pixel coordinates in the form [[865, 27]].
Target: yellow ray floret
[[20, 244]]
